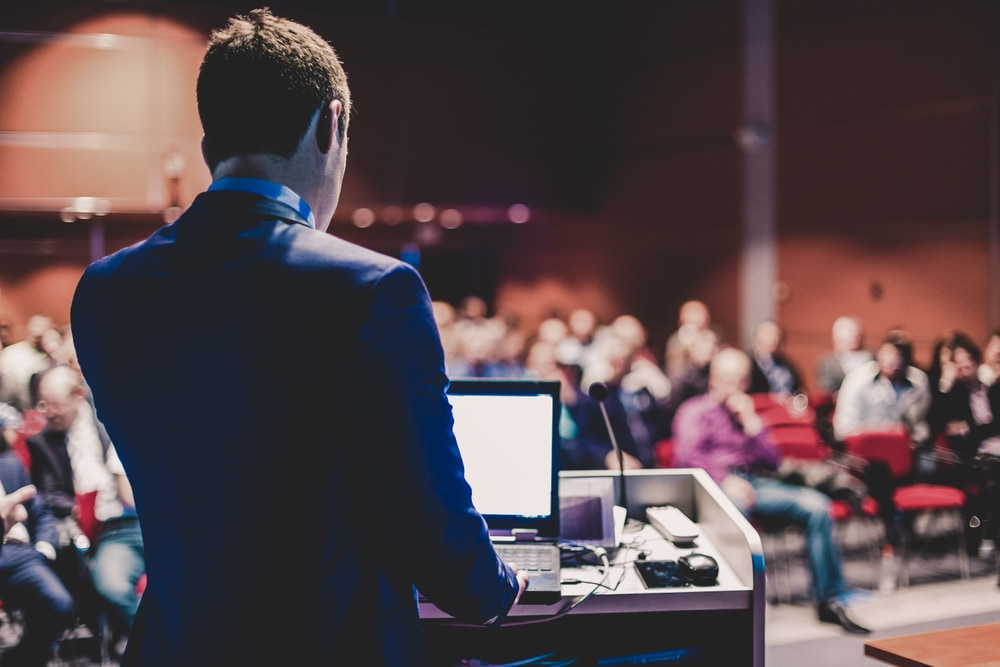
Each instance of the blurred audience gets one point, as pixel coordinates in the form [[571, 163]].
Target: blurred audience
[[27, 581], [772, 372], [721, 432], [542, 364], [966, 414], [886, 392], [848, 337], [637, 396], [989, 370], [19, 361], [73, 457], [692, 377], [955, 402], [692, 316]]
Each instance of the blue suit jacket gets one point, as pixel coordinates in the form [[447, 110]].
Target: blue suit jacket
[[277, 396]]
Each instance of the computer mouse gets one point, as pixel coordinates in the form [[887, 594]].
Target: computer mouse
[[702, 569]]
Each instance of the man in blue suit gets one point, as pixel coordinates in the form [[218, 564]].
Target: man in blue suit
[[277, 396]]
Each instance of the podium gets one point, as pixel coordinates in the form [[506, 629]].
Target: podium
[[610, 619]]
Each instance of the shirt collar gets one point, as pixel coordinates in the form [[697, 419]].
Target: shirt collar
[[268, 189]]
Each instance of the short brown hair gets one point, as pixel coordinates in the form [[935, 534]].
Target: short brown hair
[[261, 82]]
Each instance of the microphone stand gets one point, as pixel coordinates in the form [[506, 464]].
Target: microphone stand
[[599, 392]]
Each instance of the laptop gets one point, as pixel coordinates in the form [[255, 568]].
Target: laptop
[[508, 434]]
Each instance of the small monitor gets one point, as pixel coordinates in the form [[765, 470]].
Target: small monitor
[[508, 434]]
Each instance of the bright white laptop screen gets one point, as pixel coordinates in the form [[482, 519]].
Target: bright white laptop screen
[[507, 433]]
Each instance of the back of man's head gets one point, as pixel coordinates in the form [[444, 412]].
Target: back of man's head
[[261, 82]]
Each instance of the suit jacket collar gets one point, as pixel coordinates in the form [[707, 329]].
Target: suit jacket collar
[[234, 209]]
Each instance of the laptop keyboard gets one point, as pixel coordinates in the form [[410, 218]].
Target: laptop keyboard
[[533, 558]]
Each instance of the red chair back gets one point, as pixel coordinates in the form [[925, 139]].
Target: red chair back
[[663, 452], [779, 409], [799, 441], [892, 447], [87, 518]]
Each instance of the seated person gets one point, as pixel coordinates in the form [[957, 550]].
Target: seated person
[[885, 393], [966, 413], [847, 354], [27, 581], [721, 432], [989, 370], [882, 395], [73, 456], [692, 316], [636, 405], [692, 378], [772, 371]]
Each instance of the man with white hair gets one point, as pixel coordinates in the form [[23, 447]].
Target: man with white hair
[[721, 433], [847, 354]]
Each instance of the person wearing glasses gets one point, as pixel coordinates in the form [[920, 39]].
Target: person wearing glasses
[[73, 457]]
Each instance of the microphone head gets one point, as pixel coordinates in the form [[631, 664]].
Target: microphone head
[[598, 391]]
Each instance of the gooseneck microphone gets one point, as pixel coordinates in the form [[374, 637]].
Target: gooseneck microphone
[[599, 392]]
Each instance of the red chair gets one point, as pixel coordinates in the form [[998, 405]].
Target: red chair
[[86, 504], [663, 453], [892, 447], [779, 409], [803, 442], [86, 516], [34, 422]]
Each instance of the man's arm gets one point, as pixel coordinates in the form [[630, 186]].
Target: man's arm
[[12, 509], [421, 492]]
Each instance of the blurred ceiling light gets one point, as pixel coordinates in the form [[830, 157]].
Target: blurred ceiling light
[[105, 41], [519, 213], [363, 217], [84, 208], [450, 218], [423, 212]]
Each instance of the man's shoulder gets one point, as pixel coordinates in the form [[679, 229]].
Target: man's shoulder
[[917, 377], [42, 438], [312, 247], [297, 247], [860, 376]]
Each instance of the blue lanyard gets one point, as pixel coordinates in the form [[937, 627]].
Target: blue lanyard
[[268, 189]]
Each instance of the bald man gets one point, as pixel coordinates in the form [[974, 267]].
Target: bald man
[[71, 456], [720, 432]]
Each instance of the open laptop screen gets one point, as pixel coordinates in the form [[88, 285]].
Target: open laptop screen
[[508, 434]]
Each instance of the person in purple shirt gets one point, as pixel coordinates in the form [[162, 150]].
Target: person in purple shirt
[[721, 433]]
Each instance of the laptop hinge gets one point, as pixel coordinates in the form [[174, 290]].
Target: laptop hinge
[[524, 534]]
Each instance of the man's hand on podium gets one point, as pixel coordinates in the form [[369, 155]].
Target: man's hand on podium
[[522, 581]]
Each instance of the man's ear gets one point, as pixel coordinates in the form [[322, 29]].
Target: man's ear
[[327, 126], [204, 153]]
